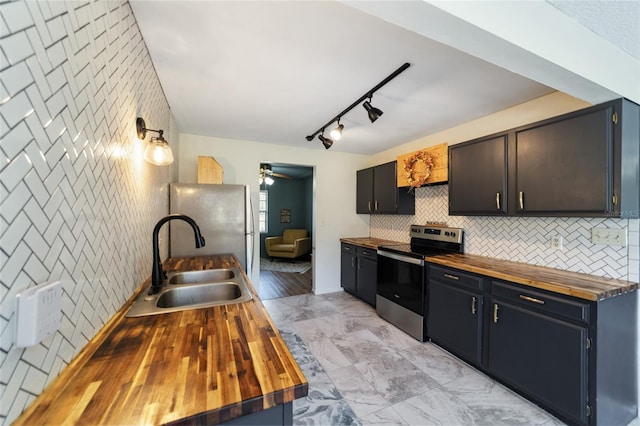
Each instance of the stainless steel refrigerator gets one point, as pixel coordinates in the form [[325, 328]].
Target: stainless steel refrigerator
[[223, 214]]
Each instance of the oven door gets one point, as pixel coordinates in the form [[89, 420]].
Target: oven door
[[401, 280]]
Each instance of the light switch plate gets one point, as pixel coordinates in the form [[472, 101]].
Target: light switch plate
[[609, 236]]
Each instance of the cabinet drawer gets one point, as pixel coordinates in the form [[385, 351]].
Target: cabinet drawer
[[543, 302], [348, 248], [456, 277], [367, 252]]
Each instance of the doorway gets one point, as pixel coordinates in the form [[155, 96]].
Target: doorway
[[285, 222]]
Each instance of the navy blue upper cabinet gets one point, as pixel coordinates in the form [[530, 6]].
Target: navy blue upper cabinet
[[377, 191], [478, 177], [585, 163]]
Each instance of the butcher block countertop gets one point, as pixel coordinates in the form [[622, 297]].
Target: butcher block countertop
[[574, 284], [368, 242], [199, 366]]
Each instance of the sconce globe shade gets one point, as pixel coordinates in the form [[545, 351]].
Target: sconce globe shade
[[374, 113], [158, 153], [336, 133]]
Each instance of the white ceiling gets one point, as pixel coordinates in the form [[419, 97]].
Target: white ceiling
[[277, 71]]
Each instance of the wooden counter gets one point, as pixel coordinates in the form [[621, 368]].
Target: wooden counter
[[201, 366], [574, 284], [369, 242]]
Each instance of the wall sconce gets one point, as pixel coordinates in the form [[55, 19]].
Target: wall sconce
[[157, 151], [373, 112]]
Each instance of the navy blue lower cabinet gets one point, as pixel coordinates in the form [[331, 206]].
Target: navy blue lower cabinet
[[575, 358], [359, 272], [455, 320], [542, 356], [367, 275], [348, 268]]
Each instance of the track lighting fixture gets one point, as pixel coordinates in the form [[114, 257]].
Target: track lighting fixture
[[157, 151], [325, 141], [373, 112], [336, 133]]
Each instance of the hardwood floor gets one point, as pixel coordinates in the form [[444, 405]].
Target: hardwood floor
[[275, 284]]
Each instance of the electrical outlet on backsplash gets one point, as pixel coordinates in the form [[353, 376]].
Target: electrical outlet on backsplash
[[523, 239]]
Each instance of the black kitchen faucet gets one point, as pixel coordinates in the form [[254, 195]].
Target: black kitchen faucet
[[157, 274]]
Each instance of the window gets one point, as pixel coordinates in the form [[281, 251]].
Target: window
[[264, 211]]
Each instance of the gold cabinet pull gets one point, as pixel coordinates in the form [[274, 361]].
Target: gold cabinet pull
[[453, 277], [495, 313], [473, 305], [521, 199], [376, 207], [369, 206], [532, 299], [497, 200]]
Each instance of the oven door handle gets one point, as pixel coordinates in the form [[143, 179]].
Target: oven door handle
[[401, 258]]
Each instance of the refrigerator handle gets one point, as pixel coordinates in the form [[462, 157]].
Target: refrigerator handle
[[251, 233]]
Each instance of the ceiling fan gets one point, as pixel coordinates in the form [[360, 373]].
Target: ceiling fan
[[265, 170]]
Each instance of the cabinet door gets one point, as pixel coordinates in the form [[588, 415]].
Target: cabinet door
[[364, 191], [542, 356], [367, 276], [348, 268], [455, 320], [385, 190], [478, 177], [565, 166]]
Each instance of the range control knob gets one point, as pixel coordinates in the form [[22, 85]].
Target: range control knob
[[446, 233], [453, 234]]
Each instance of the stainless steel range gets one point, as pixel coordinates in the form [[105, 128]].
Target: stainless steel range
[[401, 291]]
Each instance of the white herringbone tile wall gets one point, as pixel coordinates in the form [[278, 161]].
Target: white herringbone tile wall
[[77, 201], [523, 239]]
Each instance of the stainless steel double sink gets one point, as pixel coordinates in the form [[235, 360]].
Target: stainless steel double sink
[[193, 290]]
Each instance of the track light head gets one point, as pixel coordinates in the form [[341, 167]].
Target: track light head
[[336, 133], [325, 141], [373, 112]]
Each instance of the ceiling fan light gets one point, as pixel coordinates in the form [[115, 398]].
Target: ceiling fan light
[[374, 113], [336, 134], [268, 180]]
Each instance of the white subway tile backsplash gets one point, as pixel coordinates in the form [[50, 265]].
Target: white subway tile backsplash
[[17, 47], [520, 239], [13, 202], [15, 232], [75, 204], [36, 381], [16, 78], [15, 140], [13, 385], [35, 355], [16, 109], [56, 28], [4, 28], [12, 174]]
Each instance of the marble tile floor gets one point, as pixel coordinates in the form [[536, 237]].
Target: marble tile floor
[[371, 373]]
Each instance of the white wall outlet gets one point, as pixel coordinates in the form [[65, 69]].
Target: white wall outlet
[[39, 313], [556, 242], [609, 236]]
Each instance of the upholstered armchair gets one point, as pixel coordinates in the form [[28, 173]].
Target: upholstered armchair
[[293, 243]]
